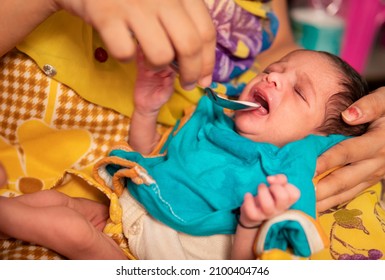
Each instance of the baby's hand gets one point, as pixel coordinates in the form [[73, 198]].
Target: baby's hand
[[153, 88], [270, 201]]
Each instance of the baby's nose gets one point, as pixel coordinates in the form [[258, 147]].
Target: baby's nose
[[273, 80]]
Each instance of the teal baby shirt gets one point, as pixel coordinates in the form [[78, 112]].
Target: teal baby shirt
[[205, 169]]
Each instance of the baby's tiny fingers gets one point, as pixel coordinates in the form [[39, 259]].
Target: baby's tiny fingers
[[250, 211], [293, 192], [266, 200], [280, 196], [277, 179]]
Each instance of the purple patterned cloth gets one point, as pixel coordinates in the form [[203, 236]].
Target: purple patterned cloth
[[234, 26]]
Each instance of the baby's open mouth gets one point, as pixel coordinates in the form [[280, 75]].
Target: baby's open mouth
[[260, 99]]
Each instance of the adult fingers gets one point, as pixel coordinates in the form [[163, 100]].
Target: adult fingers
[[366, 109], [344, 183], [110, 20], [200, 16], [186, 42], [169, 30], [118, 39], [340, 198], [347, 152], [183, 32], [151, 33]]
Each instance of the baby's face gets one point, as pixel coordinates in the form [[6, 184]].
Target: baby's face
[[293, 93]]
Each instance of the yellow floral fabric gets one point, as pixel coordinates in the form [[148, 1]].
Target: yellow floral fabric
[[356, 230]]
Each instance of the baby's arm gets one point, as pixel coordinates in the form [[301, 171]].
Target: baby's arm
[[152, 90], [270, 202]]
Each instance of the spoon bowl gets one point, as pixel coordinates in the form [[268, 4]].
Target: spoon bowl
[[230, 104]]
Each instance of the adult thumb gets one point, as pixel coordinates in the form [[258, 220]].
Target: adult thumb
[[366, 109]]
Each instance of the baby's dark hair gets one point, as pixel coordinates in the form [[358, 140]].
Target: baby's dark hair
[[353, 88]]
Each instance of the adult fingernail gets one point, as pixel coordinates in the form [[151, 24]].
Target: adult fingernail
[[189, 87], [352, 114], [205, 81]]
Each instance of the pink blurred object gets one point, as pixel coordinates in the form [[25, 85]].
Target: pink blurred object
[[363, 22]]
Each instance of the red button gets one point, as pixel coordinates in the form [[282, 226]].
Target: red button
[[101, 55]]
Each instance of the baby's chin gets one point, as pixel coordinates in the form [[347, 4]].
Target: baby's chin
[[265, 137], [252, 135]]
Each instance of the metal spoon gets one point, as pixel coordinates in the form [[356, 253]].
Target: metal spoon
[[222, 101], [230, 104]]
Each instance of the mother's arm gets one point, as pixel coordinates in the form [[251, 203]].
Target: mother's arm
[[19, 17]]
